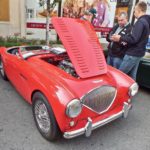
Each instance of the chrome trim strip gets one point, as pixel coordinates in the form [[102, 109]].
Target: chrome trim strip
[[124, 113]]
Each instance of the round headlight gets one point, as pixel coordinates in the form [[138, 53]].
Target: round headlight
[[133, 89], [74, 108]]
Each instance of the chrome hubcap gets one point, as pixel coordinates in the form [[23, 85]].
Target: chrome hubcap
[[42, 116], [1, 68]]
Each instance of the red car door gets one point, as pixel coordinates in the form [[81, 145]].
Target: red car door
[[10, 62], [16, 70]]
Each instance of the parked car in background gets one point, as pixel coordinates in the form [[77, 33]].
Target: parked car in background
[[143, 74], [72, 91]]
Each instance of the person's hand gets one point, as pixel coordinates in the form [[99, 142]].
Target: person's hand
[[124, 43], [115, 37]]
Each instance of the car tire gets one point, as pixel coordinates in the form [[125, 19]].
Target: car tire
[[2, 71], [44, 117]]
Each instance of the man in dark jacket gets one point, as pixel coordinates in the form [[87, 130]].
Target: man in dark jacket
[[136, 41], [147, 17], [116, 51]]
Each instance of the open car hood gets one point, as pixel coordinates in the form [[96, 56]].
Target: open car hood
[[82, 46]]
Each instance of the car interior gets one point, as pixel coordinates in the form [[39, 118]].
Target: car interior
[[14, 51]]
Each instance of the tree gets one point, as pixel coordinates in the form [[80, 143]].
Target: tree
[[50, 5]]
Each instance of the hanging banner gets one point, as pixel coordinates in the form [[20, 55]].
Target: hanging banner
[[36, 19]]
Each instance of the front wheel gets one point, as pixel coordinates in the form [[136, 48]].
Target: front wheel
[[2, 71], [44, 117]]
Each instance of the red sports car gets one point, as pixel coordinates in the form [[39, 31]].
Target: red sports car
[[72, 91]]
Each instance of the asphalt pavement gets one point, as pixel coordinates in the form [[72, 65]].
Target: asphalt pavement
[[18, 130]]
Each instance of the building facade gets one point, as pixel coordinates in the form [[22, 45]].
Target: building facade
[[21, 17], [12, 17]]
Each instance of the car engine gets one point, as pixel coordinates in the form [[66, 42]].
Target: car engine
[[67, 66]]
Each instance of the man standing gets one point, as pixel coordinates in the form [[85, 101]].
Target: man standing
[[136, 41], [116, 51]]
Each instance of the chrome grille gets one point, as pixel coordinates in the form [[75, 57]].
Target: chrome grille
[[100, 99]]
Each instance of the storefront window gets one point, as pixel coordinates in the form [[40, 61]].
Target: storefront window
[[4, 10], [30, 13]]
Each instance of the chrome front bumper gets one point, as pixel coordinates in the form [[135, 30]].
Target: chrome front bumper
[[87, 130]]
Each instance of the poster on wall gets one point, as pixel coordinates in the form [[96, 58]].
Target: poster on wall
[[100, 13], [36, 19]]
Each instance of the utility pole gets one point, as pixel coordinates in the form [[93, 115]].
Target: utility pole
[[50, 5], [47, 22]]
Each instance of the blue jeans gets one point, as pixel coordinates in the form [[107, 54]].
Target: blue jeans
[[130, 65], [114, 61]]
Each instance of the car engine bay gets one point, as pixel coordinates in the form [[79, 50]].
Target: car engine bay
[[62, 61]]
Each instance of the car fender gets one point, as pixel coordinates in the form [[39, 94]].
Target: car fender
[[58, 100]]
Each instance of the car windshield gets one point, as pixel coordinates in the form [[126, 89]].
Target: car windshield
[[28, 51], [34, 48]]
